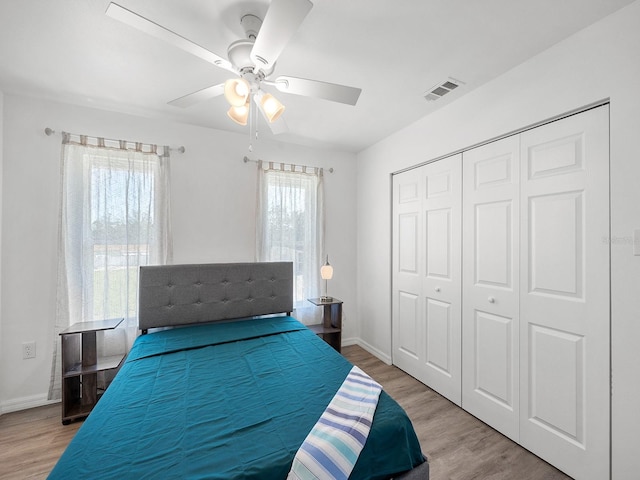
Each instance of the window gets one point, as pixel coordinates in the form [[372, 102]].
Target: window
[[290, 224]]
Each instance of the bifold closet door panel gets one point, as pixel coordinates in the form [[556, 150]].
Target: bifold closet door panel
[[564, 299], [490, 319], [426, 298], [408, 270], [442, 282]]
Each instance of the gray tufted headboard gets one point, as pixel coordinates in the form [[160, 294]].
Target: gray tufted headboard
[[172, 295]]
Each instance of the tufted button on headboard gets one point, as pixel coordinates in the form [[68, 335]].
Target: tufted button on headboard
[[186, 294]]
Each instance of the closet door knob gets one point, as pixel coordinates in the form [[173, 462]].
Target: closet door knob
[[437, 289], [492, 300]]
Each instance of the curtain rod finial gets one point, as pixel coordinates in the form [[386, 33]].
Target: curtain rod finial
[[48, 131]]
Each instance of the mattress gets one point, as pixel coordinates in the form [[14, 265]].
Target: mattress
[[225, 400]]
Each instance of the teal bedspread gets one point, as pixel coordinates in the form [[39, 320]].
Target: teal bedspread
[[225, 401]]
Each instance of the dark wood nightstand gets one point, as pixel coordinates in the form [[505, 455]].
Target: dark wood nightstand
[[80, 367], [330, 330]]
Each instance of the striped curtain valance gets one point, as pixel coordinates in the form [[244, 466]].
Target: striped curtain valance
[[100, 142]]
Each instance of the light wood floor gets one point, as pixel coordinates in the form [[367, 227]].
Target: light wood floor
[[31, 441], [459, 447]]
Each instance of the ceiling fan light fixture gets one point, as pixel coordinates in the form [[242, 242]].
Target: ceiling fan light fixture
[[237, 91], [271, 107], [239, 114]]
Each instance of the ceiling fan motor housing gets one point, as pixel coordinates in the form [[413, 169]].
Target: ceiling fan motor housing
[[239, 54]]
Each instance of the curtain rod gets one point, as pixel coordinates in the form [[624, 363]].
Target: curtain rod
[[247, 159], [49, 131]]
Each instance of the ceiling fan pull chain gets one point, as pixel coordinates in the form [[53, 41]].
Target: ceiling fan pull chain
[[252, 120], [255, 116]]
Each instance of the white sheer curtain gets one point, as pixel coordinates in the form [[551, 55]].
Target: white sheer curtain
[[114, 217], [290, 227]]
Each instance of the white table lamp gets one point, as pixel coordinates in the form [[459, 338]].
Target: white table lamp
[[326, 272]]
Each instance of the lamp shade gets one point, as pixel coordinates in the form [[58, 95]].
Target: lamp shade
[[271, 107], [237, 91], [239, 114], [326, 271]]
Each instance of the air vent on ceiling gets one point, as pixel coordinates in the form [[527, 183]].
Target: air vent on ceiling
[[441, 89]]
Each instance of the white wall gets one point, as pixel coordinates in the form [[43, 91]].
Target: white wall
[[1, 170], [213, 196], [597, 63]]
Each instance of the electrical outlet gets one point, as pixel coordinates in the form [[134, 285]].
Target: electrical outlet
[[29, 350]]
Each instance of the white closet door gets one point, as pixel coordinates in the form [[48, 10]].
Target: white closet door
[[442, 283], [408, 270], [427, 275], [490, 321], [564, 296]]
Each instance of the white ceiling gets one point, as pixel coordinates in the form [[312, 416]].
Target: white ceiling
[[70, 51]]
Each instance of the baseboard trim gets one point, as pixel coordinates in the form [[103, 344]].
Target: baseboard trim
[[374, 351], [347, 342], [24, 403]]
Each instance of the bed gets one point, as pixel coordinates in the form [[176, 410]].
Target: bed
[[230, 391]]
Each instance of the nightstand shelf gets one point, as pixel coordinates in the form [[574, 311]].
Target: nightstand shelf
[[102, 363], [330, 330], [81, 365], [320, 329]]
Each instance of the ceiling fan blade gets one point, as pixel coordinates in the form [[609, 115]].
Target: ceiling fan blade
[[281, 22], [279, 126], [318, 89], [199, 96], [151, 28]]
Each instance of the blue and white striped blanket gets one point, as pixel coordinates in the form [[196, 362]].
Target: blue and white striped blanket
[[331, 449]]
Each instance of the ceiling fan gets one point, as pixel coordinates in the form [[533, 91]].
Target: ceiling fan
[[252, 61]]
